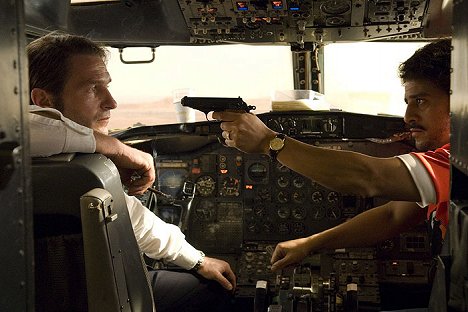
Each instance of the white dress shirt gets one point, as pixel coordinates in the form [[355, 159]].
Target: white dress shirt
[[52, 133]]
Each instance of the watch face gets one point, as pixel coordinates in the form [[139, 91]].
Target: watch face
[[276, 144]]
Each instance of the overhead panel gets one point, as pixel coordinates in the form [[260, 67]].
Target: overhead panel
[[288, 22]]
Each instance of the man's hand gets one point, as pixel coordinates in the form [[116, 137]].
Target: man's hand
[[289, 253], [245, 131], [136, 168], [218, 270]]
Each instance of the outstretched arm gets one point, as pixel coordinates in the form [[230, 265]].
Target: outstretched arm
[[367, 228], [343, 171]]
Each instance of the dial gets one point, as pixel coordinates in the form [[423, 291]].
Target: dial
[[259, 211], [253, 227], [267, 227], [333, 213], [282, 197], [205, 210], [263, 195], [333, 197], [298, 182], [298, 228], [318, 212], [317, 197], [205, 186], [230, 187], [282, 181], [283, 212], [336, 6], [299, 213], [257, 172], [298, 197]]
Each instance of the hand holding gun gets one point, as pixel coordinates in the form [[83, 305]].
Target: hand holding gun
[[214, 104]]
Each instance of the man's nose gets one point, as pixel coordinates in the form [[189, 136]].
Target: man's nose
[[410, 114], [109, 102]]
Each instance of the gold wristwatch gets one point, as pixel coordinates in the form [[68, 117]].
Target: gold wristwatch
[[276, 145]]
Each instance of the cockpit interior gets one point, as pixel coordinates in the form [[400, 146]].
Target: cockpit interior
[[232, 205]]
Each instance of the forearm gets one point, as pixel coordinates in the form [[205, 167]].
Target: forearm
[[108, 146], [370, 227], [343, 171], [350, 172]]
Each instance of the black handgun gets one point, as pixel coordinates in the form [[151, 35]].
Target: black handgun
[[215, 104]]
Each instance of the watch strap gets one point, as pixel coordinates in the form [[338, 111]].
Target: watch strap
[[274, 153]]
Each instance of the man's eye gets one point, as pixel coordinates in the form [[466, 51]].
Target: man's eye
[[419, 101]]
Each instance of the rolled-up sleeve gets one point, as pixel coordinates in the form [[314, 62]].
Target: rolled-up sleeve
[[52, 133], [431, 174]]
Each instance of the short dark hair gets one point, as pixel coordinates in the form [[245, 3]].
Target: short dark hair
[[431, 62], [49, 57]]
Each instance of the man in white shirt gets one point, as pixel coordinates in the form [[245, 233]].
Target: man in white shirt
[[68, 80]]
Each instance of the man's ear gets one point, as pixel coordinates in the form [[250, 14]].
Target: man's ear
[[41, 98]]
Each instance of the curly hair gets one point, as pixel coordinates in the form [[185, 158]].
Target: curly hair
[[49, 58], [431, 62]]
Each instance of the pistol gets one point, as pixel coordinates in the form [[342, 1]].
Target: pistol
[[215, 104]]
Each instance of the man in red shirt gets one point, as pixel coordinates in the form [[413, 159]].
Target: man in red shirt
[[410, 181]]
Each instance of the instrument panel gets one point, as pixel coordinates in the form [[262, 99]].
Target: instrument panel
[[296, 22], [242, 205]]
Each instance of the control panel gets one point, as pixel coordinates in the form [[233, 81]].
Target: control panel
[[238, 206], [296, 22]]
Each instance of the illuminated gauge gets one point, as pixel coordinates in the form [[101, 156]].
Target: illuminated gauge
[[263, 195], [317, 197], [282, 181], [335, 20], [282, 197], [267, 227], [335, 6], [283, 212], [298, 182], [333, 197], [281, 168], [170, 180], [333, 213], [299, 213], [318, 213], [205, 210], [257, 172], [283, 228], [259, 210], [298, 197], [205, 186], [230, 187], [298, 228]]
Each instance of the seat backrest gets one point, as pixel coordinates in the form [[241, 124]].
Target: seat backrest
[[75, 269]]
